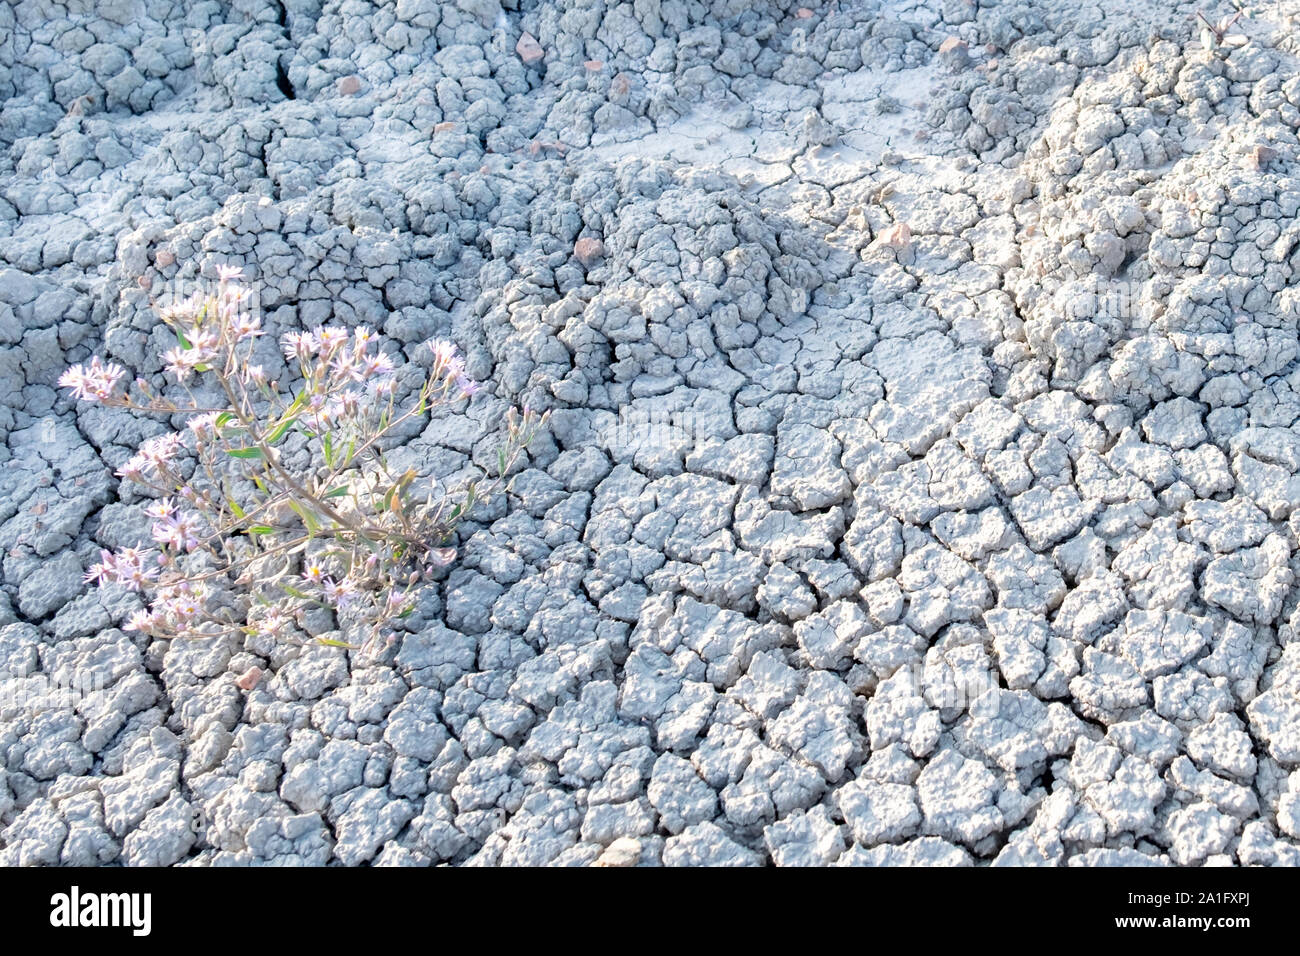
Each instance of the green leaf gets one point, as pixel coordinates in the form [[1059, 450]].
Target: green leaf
[[180, 337], [309, 519], [223, 419], [261, 529], [244, 452], [280, 429], [330, 642], [338, 492], [501, 461], [234, 507], [328, 446]]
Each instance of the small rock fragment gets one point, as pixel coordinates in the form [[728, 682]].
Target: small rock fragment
[[1262, 155], [529, 50], [588, 250], [899, 236], [624, 851], [955, 53]]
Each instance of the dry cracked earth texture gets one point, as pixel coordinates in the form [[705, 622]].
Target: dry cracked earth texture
[[923, 478]]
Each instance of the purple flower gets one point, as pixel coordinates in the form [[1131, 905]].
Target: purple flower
[[159, 451], [444, 354], [161, 509], [105, 571], [128, 567], [153, 458], [204, 426], [466, 385], [298, 345], [206, 342], [94, 382], [272, 621], [180, 362], [133, 470], [246, 326], [344, 366], [181, 608], [179, 532], [376, 365], [202, 346], [142, 621], [330, 338], [339, 593]]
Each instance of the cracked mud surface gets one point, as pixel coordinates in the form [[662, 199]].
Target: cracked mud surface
[[923, 483]]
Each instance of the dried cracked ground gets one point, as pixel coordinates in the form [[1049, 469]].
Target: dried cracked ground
[[923, 481]]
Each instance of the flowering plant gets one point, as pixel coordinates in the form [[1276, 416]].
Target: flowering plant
[[249, 539]]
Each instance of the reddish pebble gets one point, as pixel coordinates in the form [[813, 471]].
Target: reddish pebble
[[349, 85], [898, 235], [594, 65], [249, 679], [164, 258], [588, 250], [443, 127], [803, 13], [144, 282], [1263, 155], [529, 50], [952, 43]]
